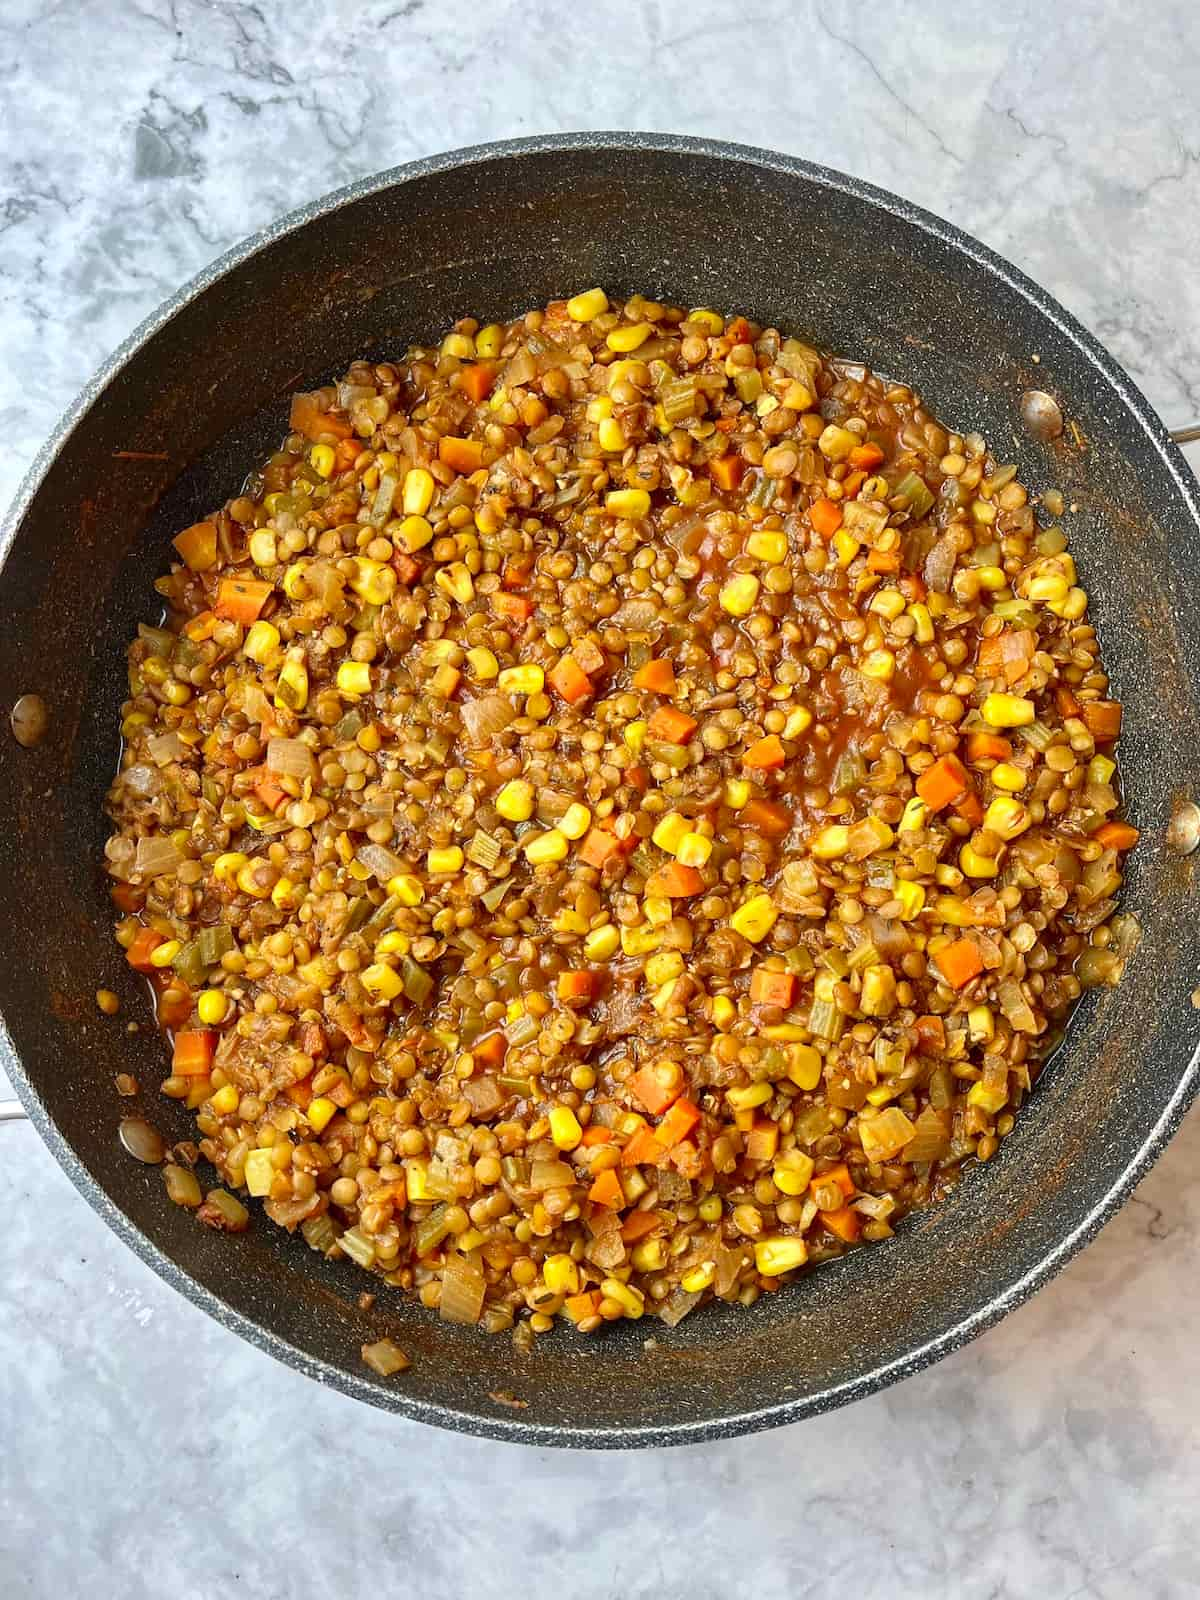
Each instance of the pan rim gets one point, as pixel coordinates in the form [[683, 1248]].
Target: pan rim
[[469, 1421]]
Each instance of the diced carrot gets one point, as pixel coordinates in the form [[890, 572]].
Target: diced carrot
[[138, 954], [643, 1149], [582, 1307], [300, 1094], [770, 988], [1065, 702], [269, 792], [197, 546], [767, 817], [657, 676], [762, 1141], [674, 881], [638, 777], [883, 561], [651, 1091], [845, 1224], [598, 846], [839, 1175], [969, 807], [1007, 654], [516, 572], [852, 483], [959, 962], [577, 984], [912, 587], [1117, 835], [639, 1224], [943, 782], [1102, 718], [725, 424], [738, 331], [464, 455], [193, 1057], [727, 472], [931, 1034], [568, 680], [477, 381], [241, 599], [671, 726], [825, 517], [127, 898], [607, 1191], [866, 456], [490, 1050], [342, 1093], [407, 570], [765, 753], [347, 452], [200, 627], [512, 607], [308, 418], [312, 1040], [595, 1134], [588, 656], [677, 1124], [987, 747]]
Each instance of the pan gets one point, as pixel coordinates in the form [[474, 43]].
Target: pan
[[165, 432]]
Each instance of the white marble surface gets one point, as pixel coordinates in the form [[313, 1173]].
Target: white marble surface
[[144, 1451]]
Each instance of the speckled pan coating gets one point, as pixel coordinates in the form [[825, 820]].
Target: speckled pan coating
[[493, 231]]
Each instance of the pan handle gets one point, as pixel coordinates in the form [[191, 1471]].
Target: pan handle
[[12, 1111], [1186, 435]]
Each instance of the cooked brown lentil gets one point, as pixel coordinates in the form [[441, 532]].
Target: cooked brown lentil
[[617, 809]]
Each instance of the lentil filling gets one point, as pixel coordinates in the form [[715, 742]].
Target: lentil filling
[[617, 809]]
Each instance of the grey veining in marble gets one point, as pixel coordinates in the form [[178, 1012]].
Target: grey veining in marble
[[1060, 1455]]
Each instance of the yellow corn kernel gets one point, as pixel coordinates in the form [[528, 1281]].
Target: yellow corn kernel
[[1045, 587], [444, 681], [991, 578], [629, 503], [635, 735], [602, 943], [831, 842], [883, 1092], [755, 918], [846, 546], [600, 408], [459, 345], [780, 1253], [163, 954], [650, 1255], [988, 1097], [291, 693], [949, 877], [768, 546], [568, 921], [549, 846], [640, 940], [1006, 776], [975, 865], [947, 908], [521, 680], [923, 622], [323, 459], [631, 1301], [262, 548], [414, 533], [1006, 817], [418, 492], [564, 1128], [911, 897], [609, 435], [373, 581], [482, 663], [723, 1012], [456, 581], [980, 1024], [628, 337], [878, 664], [737, 792], [211, 1007], [225, 1101], [515, 802], [799, 397], [712, 322], [226, 867], [259, 1172], [261, 642], [408, 889], [248, 883], [1073, 607], [835, 443], [448, 859], [792, 1172], [694, 849], [394, 943], [878, 997], [292, 582], [354, 677], [587, 306], [489, 341], [657, 910], [134, 721], [887, 603], [805, 1066], [560, 1274], [664, 966], [382, 981], [739, 595], [1007, 711], [1100, 770], [416, 1173], [575, 820], [754, 1094], [799, 721], [671, 831], [321, 1112], [699, 1277]]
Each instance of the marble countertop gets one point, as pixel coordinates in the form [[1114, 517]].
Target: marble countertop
[[145, 1451]]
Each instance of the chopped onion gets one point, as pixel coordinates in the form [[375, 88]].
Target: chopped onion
[[385, 1358], [156, 857], [381, 508], [376, 859], [551, 1175], [166, 747], [489, 714], [140, 780], [290, 757], [462, 1289], [673, 1310]]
